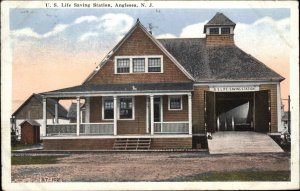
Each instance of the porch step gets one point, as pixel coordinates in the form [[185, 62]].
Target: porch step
[[132, 144]]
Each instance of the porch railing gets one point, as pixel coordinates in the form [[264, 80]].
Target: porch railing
[[96, 129], [61, 129], [180, 127], [85, 129]]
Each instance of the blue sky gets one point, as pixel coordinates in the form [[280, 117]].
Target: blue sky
[[164, 21]]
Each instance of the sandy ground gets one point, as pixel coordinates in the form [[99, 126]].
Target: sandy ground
[[145, 166]]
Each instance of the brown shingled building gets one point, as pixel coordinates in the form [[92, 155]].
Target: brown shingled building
[[169, 93]]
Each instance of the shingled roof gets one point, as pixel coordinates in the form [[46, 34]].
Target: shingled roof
[[219, 20], [62, 112], [219, 63], [129, 88]]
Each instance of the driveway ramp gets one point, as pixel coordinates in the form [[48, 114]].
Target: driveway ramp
[[241, 142]]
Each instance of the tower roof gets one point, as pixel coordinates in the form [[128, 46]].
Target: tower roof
[[219, 20]]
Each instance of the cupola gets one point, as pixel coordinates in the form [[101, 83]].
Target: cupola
[[219, 31]]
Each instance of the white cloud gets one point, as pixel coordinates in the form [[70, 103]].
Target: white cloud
[[116, 23], [87, 35], [166, 35], [86, 19], [57, 29], [29, 32], [193, 31], [265, 35], [111, 25], [25, 32]]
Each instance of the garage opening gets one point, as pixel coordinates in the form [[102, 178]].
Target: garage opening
[[237, 111], [234, 111]]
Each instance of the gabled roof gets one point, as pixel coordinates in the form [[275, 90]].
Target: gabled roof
[[155, 41], [219, 63], [219, 20], [62, 112], [31, 122], [72, 113]]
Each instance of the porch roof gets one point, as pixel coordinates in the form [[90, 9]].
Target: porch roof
[[131, 88]]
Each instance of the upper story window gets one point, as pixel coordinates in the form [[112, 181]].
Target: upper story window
[[225, 30], [138, 64], [123, 65], [213, 30], [154, 65], [219, 30]]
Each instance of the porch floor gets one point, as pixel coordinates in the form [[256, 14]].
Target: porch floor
[[241, 142]]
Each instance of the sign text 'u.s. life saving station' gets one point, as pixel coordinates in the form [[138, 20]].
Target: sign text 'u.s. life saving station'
[[234, 88]]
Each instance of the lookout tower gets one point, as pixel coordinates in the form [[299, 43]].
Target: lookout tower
[[219, 31]]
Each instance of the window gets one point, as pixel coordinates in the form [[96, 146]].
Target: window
[[108, 108], [213, 30], [138, 64], [175, 102], [225, 30], [123, 65], [126, 108], [154, 65]]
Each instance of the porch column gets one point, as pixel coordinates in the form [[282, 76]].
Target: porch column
[[190, 113], [147, 115], [56, 112], [78, 116], [87, 115], [152, 114], [45, 116], [115, 115], [87, 110]]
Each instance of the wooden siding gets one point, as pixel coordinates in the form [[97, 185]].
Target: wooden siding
[[78, 144], [136, 126], [32, 110], [98, 144], [175, 115], [198, 102], [217, 40], [138, 43], [30, 134], [273, 103]]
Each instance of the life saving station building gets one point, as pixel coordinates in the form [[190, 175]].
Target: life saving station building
[[169, 93]]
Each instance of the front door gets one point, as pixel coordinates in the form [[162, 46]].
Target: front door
[[157, 109]]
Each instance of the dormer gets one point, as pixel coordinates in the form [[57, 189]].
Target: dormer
[[219, 31]]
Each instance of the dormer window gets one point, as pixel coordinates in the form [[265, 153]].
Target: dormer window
[[213, 30], [225, 30], [219, 30], [138, 64]]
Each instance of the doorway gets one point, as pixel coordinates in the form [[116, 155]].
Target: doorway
[[237, 111]]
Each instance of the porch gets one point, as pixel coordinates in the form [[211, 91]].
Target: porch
[[162, 112]]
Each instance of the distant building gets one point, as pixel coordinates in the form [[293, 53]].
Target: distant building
[[32, 109], [72, 113]]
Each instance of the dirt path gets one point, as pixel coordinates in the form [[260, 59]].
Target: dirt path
[[145, 166]]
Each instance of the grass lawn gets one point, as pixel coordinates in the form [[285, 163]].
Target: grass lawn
[[240, 176], [19, 146], [27, 160]]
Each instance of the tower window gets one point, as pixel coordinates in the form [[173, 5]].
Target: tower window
[[213, 30], [225, 30]]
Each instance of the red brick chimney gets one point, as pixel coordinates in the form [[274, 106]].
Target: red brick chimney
[[219, 31]]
